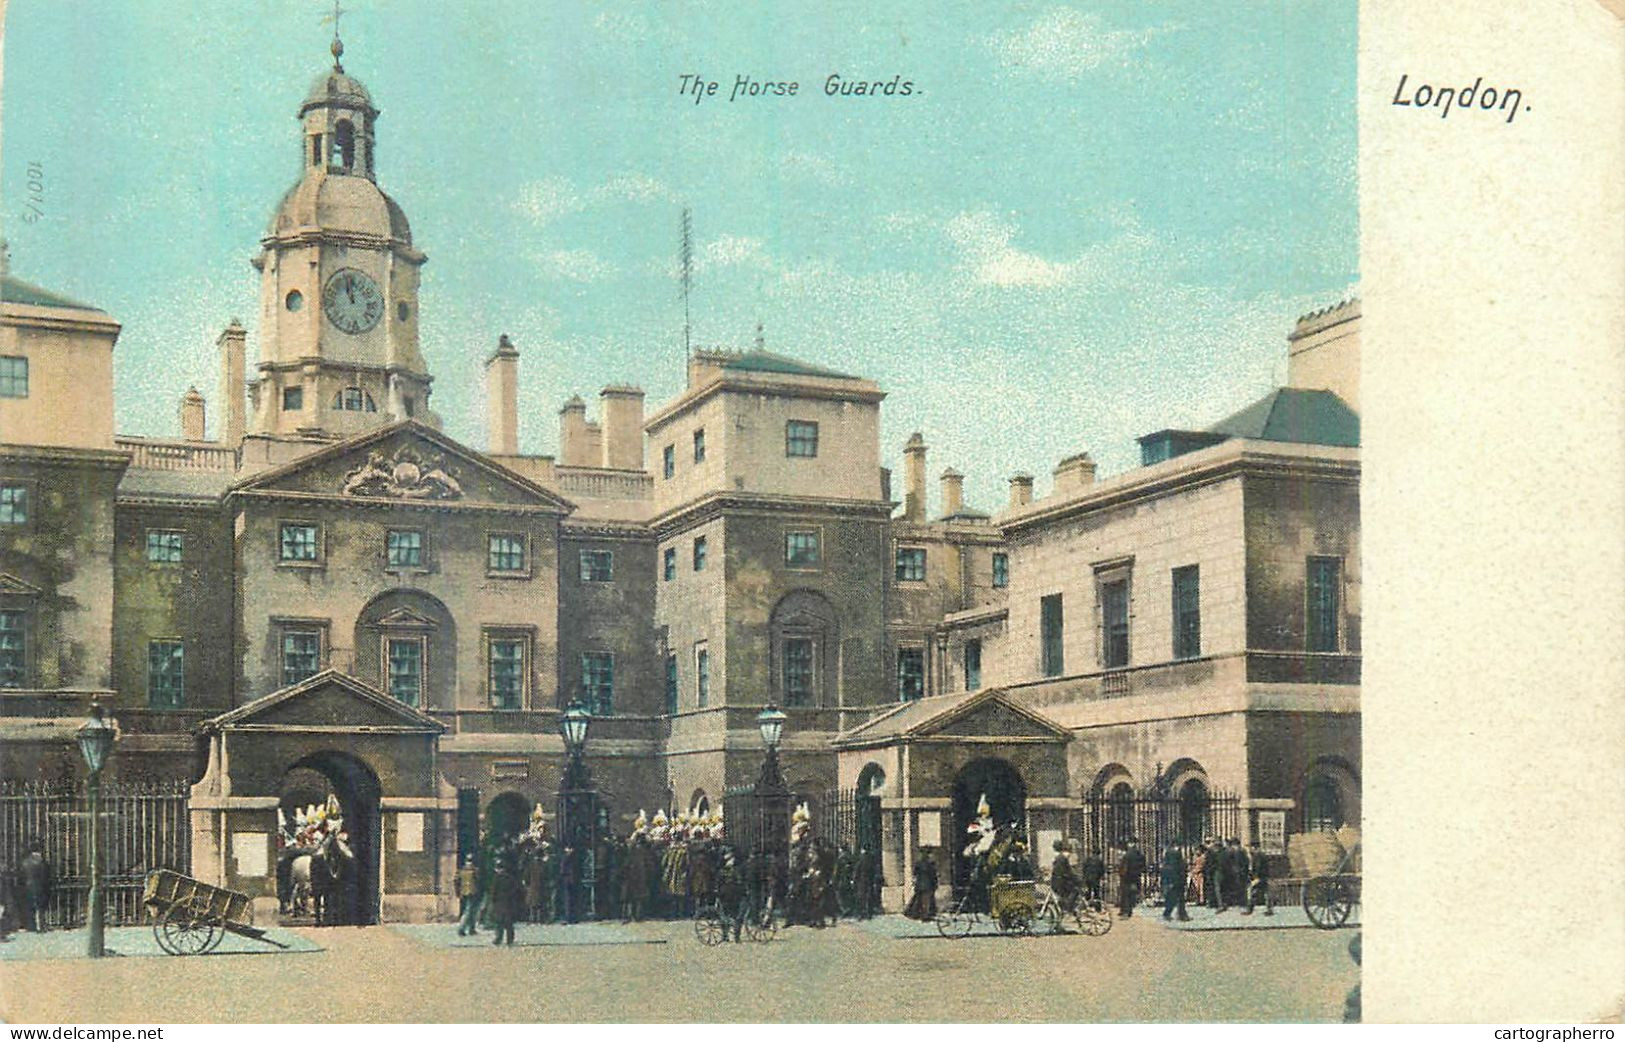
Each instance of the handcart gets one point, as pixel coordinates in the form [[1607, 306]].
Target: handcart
[[190, 917]]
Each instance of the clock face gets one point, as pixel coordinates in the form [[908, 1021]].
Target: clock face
[[352, 301]]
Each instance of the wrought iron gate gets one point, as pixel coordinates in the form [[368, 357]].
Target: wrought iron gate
[[143, 827], [1155, 820]]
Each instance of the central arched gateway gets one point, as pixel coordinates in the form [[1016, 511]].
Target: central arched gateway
[[1006, 795], [354, 785]]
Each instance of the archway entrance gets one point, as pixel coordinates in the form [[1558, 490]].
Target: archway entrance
[[310, 782], [507, 816], [1006, 794]]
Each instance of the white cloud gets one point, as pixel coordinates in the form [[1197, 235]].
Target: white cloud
[[814, 168], [575, 265], [544, 200], [984, 243], [733, 249], [1065, 43]]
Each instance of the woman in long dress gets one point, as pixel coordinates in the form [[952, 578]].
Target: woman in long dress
[[923, 905]]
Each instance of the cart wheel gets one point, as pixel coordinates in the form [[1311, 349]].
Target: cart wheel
[[219, 935], [954, 923], [709, 927], [1328, 901], [1049, 919], [1094, 920], [185, 932], [158, 933], [761, 927]]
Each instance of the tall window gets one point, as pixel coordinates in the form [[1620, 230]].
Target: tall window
[[1001, 570], [164, 546], [973, 665], [1322, 805], [505, 553], [668, 564], [910, 564], [671, 685], [13, 377], [344, 144], [298, 543], [798, 671], [1325, 596], [801, 438], [405, 662], [1114, 623], [699, 553], [403, 548], [1050, 629], [166, 674], [668, 461], [13, 648], [597, 566], [507, 672], [1187, 612], [801, 549], [910, 674], [598, 681], [702, 676], [301, 655], [699, 445], [13, 504]]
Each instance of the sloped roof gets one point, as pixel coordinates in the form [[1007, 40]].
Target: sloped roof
[[925, 716], [1294, 415], [768, 362], [180, 485], [328, 679], [16, 291]]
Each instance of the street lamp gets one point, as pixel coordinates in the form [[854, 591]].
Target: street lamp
[[96, 738], [578, 807], [771, 780], [771, 796]]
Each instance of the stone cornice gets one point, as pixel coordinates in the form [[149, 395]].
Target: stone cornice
[[308, 236], [103, 459], [715, 504], [440, 505], [1229, 459], [69, 320], [780, 385], [579, 528]]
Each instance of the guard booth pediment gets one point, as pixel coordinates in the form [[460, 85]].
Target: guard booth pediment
[[987, 714], [251, 747]]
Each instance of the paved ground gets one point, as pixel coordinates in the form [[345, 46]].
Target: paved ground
[[1140, 971]]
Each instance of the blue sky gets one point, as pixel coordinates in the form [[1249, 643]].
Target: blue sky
[[1089, 222]]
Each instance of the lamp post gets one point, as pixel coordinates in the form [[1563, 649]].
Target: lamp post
[[772, 794], [96, 738], [578, 811]]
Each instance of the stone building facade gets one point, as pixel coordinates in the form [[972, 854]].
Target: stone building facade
[[333, 592]]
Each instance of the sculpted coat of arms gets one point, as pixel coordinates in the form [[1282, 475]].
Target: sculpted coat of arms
[[408, 475]]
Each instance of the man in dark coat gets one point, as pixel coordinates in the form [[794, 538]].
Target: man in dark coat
[[35, 876], [634, 881], [1062, 878], [733, 896], [1173, 883], [507, 897], [8, 904], [569, 867], [1258, 886], [1130, 871], [865, 884], [1093, 872], [1235, 873], [1216, 874], [923, 905]]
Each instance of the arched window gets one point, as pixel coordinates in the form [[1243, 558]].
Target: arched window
[[343, 153], [1322, 805], [1193, 808], [806, 648], [1121, 799]]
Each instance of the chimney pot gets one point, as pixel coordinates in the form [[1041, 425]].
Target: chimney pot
[[953, 492], [192, 415], [1074, 474], [1021, 490], [914, 478], [502, 398]]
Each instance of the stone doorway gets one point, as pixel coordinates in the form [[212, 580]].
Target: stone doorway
[[311, 781], [1006, 794]]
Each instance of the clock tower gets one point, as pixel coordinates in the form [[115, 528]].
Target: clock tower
[[339, 283]]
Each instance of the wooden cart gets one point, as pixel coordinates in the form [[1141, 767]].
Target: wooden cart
[[190, 917]]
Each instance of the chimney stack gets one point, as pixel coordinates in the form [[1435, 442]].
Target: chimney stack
[[621, 414], [914, 478], [1074, 474], [233, 345], [192, 415], [502, 398], [577, 448], [953, 492], [1021, 490]]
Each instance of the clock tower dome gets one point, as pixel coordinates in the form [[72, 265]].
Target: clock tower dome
[[339, 283]]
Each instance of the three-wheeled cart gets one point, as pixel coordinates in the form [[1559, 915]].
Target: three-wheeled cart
[[190, 917]]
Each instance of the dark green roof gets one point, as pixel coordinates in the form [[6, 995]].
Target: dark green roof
[[1290, 414], [767, 362], [17, 291]]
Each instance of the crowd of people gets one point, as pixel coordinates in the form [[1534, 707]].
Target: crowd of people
[[1219, 874], [667, 867]]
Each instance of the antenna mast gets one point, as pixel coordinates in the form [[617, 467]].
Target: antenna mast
[[686, 259]]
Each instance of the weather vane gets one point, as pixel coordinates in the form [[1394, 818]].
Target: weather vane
[[338, 45]]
